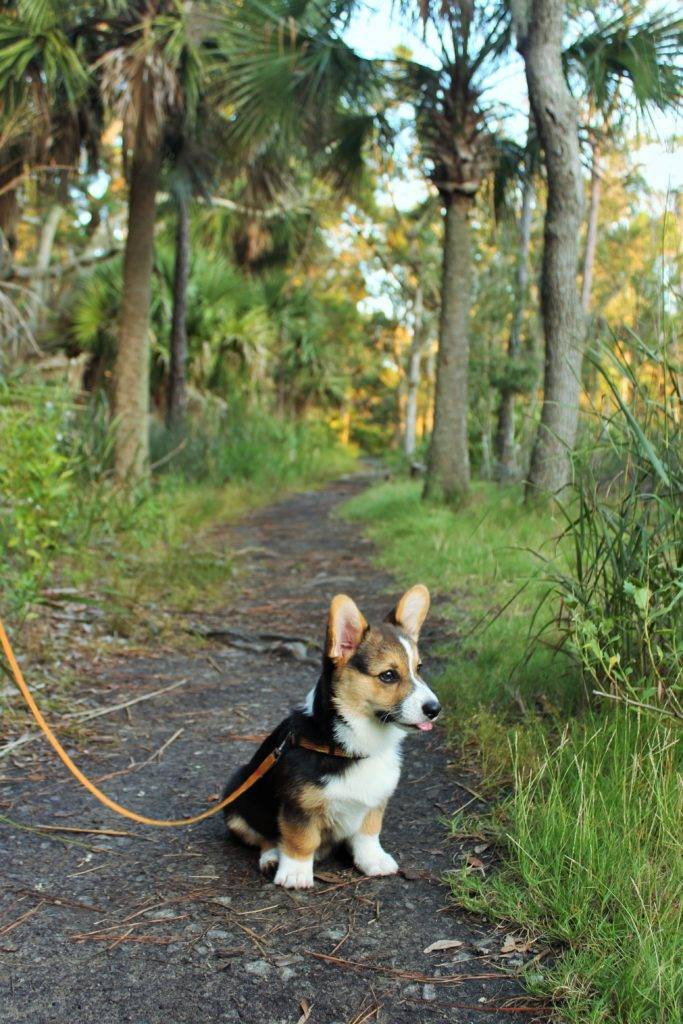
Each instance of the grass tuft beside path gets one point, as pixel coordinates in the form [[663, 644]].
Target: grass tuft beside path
[[590, 838]]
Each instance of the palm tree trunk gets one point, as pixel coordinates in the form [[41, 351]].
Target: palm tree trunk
[[177, 380], [414, 365], [448, 469], [39, 291], [592, 231], [506, 468], [131, 372], [539, 42]]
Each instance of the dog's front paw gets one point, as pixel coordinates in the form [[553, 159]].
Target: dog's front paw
[[378, 863], [294, 874]]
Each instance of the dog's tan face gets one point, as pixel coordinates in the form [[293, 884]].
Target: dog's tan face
[[377, 668]]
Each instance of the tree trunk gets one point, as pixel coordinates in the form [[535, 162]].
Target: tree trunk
[[177, 379], [448, 469], [12, 163], [506, 468], [540, 41], [414, 363], [40, 286], [592, 231], [131, 373]]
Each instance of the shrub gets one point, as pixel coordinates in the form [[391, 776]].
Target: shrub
[[41, 510]]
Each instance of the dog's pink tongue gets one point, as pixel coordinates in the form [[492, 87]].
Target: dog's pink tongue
[[425, 726]]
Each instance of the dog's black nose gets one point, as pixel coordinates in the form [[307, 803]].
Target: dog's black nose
[[431, 708]]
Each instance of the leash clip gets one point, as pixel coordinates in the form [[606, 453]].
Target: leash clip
[[279, 750]]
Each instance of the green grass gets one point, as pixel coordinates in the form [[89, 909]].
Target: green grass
[[477, 559], [590, 838], [592, 858]]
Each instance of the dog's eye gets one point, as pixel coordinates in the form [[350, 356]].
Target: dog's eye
[[390, 676], [419, 666]]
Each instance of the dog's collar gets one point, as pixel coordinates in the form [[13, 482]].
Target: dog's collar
[[319, 748]]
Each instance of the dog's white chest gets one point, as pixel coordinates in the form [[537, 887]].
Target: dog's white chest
[[365, 785]]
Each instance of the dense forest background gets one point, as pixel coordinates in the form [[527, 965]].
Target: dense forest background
[[243, 245]]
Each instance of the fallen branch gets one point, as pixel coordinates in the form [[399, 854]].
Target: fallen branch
[[488, 1007], [396, 972]]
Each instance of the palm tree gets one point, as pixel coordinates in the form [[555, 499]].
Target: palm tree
[[47, 114], [539, 27], [458, 150], [626, 65], [171, 55], [153, 71]]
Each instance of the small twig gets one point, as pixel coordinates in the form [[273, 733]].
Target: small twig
[[20, 920], [85, 831], [169, 455], [676, 715], [87, 716], [156, 756], [28, 737]]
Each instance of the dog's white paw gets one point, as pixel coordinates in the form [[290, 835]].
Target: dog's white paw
[[294, 874], [268, 860], [379, 863]]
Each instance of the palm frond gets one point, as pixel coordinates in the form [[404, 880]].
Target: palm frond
[[643, 55]]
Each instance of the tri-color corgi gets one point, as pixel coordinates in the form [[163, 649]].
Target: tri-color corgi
[[369, 695]]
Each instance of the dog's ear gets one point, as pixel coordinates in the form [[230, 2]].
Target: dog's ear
[[411, 611], [345, 629]]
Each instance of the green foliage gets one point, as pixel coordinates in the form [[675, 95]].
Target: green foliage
[[622, 598], [636, 48], [237, 327], [248, 446], [60, 514], [43, 510], [591, 847]]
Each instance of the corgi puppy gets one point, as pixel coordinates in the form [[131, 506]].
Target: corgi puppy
[[369, 695]]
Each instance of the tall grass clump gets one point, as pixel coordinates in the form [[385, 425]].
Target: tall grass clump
[[621, 610], [592, 858], [592, 854]]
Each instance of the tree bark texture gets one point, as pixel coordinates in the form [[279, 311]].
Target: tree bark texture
[[131, 373], [414, 365], [448, 468], [177, 379], [506, 468], [540, 43], [592, 230]]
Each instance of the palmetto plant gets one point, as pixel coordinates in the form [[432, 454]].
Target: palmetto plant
[[230, 330], [47, 108], [622, 66]]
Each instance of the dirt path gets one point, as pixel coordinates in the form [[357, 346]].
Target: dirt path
[[177, 926]]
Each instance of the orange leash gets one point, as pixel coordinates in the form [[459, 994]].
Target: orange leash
[[264, 767]]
